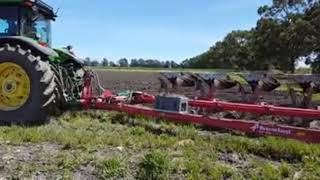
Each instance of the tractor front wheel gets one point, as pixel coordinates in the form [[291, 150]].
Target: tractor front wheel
[[27, 87]]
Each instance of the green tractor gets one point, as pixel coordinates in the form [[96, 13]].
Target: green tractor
[[35, 79]]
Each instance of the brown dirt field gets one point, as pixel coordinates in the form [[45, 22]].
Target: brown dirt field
[[122, 81], [148, 82]]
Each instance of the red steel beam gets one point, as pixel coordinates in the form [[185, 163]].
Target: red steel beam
[[257, 128], [257, 109], [250, 108]]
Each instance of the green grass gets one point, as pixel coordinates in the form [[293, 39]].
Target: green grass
[[154, 165], [110, 168], [316, 97], [158, 148]]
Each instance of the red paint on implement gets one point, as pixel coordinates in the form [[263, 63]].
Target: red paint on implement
[[257, 109], [250, 108], [260, 129], [254, 127]]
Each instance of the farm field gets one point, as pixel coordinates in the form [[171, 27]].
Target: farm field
[[107, 145]]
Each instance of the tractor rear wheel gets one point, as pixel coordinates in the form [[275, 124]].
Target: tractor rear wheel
[[27, 87]]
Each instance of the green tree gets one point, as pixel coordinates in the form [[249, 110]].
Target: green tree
[[142, 62], [283, 33], [112, 64], [134, 63], [123, 62], [87, 61], [234, 52], [94, 63], [105, 62], [312, 15]]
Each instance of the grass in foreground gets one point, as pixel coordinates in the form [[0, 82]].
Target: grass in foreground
[[111, 145]]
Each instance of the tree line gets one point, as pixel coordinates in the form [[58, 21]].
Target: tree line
[[124, 62], [288, 31]]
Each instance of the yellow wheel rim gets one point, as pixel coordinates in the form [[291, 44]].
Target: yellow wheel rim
[[14, 86]]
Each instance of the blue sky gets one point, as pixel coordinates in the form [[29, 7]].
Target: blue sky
[[160, 29]]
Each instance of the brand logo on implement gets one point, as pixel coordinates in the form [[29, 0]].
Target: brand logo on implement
[[267, 130], [301, 134], [255, 127]]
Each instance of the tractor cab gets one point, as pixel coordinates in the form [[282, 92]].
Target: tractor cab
[[28, 18]]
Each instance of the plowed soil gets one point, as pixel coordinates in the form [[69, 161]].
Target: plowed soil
[[118, 81]]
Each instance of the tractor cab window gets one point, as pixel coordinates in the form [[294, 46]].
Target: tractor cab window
[[43, 29], [9, 21], [37, 27]]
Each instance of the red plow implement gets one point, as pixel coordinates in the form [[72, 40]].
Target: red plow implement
[[184, 110]]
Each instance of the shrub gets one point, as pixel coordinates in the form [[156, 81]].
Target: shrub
[[110, 168], [222, 172], [285, 170], [155, 165]]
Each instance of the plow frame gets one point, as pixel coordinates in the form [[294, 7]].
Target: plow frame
[[257, 128]]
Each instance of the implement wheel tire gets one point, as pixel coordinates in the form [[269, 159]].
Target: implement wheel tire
[[27, 95]]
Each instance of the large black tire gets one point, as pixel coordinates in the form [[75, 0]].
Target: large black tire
[[61, 101], [42, 96]]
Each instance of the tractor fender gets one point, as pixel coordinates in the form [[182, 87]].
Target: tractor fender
[[64, 55], [31, 44]]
